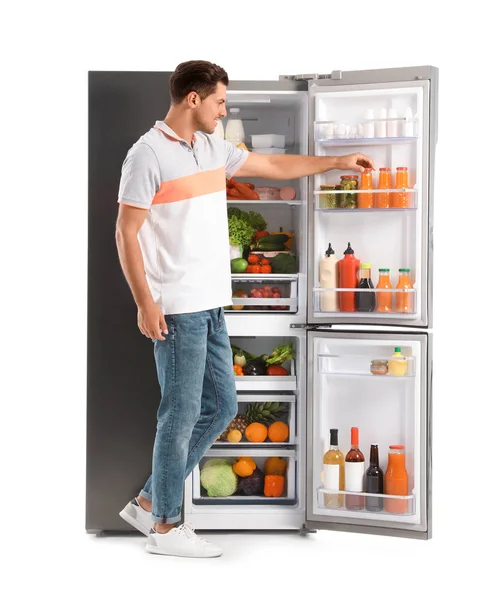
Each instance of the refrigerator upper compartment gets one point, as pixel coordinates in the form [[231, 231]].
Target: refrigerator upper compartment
[[391, 228]]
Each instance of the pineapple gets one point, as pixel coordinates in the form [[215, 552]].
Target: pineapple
[[263, 412]]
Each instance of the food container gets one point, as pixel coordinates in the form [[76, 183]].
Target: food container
[[267, 192], [329, 200], [268, 150], [348, 182], [268, 140], [379, 367]]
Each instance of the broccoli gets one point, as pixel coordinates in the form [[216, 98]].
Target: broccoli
[[284, 263]]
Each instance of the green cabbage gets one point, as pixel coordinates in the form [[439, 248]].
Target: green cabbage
[[218, 478]]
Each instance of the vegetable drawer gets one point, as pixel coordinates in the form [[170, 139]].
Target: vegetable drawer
[[269, 293], [251, 485]]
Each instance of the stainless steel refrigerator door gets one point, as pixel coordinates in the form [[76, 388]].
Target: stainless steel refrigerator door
[[417, 426], [426, 79]]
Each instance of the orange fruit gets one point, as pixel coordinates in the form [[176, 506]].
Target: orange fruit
[[278, 431], [256, 432]]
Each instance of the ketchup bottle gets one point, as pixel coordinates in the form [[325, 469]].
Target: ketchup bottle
[[348, 278]]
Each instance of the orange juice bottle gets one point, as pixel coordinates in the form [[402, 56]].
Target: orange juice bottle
[[384, 299], [404, 300], [396, 481], [366, 200], [383, 198], [401, 199]]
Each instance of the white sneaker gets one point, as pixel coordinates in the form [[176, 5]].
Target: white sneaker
[[136, 516], [181, 541]]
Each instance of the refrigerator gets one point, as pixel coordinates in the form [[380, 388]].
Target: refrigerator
[[329, 383]]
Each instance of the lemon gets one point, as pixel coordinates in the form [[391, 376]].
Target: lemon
[[234, 436]]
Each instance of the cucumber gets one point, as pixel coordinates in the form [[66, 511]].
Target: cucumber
[[279, 238], [270, 246]]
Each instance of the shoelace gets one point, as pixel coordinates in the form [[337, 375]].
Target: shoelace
[[188, 531]]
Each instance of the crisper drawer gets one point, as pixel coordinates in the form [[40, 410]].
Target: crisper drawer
[[246, 492], [275, 416], [269, 383], [258, 293]]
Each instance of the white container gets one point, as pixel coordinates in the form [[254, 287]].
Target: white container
[[409, 122], [327, 274], [219, 131], [342, 131], [392, 127], [269, 150], [381, 123], [268, 140], [369, 123], [235, 133]]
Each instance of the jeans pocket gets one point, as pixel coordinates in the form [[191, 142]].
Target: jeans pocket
[[220, 318]]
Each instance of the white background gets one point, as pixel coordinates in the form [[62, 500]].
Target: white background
[[47, 49]]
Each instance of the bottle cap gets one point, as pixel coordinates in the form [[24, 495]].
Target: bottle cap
[[334, 440], [384, 169], [398, 350], [365, 266], [396, 447], [384, 270], [404, 270], [329, 250], [367, 170], [354, 436], [401, 168], [349, 250]]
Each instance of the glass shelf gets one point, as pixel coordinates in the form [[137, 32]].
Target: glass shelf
[[273, 202], [366, 141], [337, 199]]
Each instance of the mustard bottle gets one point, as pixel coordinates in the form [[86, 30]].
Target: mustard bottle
[[397, 366]]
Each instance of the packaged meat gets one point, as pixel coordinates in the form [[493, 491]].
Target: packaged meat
[[267, 192], [287, 193]]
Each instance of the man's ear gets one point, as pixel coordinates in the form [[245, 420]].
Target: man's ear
[[193, 99]]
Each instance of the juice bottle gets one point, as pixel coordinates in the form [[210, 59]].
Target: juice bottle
[[365, 301], [384, 183], [397, 365], [366, 200], [384, 299], [401, 199], [396, 481], [404, 300], [374, 478], [348, 278], [327, 272]]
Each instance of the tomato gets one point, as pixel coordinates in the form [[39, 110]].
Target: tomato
[[260, 234], [264, 261], [276, 370], [237, 369], [253, 259], [255, 269], [248, 269], [266, 269]]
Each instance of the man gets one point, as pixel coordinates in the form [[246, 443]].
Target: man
[[172, 239]]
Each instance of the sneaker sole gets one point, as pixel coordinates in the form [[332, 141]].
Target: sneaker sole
[[157, 550], [134, 522]]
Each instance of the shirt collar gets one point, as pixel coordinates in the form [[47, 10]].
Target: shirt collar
[[170, 132]]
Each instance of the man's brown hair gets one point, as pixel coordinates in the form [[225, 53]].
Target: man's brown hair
[[198, 76]]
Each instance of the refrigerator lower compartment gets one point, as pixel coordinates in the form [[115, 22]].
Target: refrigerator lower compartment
[[287, 497]]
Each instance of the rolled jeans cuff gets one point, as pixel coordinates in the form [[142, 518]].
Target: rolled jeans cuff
[[166, 520], [145, 495]]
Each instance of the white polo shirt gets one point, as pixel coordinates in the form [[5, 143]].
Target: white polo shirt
[[184, 239]]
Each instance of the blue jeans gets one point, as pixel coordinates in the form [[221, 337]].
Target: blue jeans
[[199, 400]]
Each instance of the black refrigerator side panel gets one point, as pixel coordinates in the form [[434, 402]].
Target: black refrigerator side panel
[[122, 388]]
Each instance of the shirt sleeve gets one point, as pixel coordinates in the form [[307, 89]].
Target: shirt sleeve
[[140, 179], [235, 158]]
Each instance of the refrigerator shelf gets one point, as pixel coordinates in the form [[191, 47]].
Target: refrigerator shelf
[[407, 503], [365, 141], [268, 383], [364, 210], [359, 366], [274, 202], [234, 447], [258, 277]]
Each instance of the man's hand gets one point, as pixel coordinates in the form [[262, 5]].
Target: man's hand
[[355, 162], [151, 321]]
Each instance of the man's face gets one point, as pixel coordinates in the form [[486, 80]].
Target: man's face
[[209, 111]]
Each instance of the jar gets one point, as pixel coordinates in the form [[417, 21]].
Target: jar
[[379, 367], [348, 182], [329, 200]]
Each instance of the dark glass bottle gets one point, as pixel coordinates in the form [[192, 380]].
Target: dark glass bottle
[[365, 301], [374, 482], [354, 473]]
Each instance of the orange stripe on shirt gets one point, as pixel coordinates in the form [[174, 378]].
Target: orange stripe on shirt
[[191, 186]]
